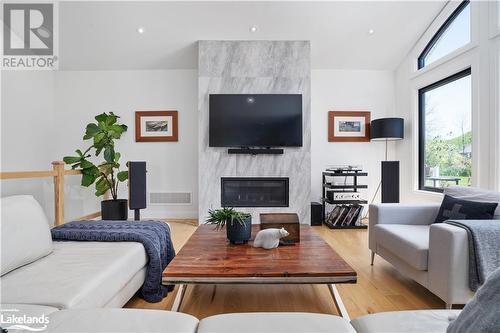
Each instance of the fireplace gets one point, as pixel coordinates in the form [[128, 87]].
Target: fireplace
[[254, 192]]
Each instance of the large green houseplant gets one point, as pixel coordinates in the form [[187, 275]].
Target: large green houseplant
[[238, 224], [105, 174]]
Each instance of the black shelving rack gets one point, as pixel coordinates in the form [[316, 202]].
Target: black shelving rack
[[347, 187]]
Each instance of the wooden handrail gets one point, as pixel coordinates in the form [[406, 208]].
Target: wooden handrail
[[58, 172], [26, 174]]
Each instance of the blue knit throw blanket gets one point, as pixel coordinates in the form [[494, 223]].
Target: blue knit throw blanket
[[154, 236]]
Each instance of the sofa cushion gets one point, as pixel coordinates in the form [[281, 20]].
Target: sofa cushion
[[121, 320], [421, 321], [296, 322], [474, 194], [25, 232], [408, 242], [459, 209], [75, 275]]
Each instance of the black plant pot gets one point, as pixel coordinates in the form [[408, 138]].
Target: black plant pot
[[239, 233], [114, 209]]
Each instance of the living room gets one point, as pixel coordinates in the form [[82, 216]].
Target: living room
[[364, 134]]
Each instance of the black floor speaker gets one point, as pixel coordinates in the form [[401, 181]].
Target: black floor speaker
[[316, 213], [137, 187], [390, 181]]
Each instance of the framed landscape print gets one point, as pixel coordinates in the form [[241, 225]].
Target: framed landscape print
[[156, 126], [348, 126]]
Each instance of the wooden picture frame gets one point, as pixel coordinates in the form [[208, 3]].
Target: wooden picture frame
[[161, 126], [348, 126]]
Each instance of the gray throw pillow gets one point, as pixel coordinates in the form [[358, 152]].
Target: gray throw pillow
[[482, 313]]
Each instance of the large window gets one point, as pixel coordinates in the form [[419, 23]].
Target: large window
[[445, 131], [453, 34]]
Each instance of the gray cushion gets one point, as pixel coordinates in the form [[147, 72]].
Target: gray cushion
[[421, 321], [482, 313], [75, 275], [122, 321], [25, 232], [409, 242], [474, 194], [275, 322]]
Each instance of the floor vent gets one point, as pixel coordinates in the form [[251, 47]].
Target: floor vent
[[170, 198]]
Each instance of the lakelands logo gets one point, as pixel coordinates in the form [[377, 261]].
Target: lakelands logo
[[29, 36], [12, 319]]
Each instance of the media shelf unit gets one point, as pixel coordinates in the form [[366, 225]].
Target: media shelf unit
[[349, 186]]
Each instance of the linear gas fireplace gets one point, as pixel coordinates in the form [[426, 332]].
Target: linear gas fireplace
[[254, 192]]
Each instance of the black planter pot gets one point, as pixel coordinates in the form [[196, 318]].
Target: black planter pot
[[114, 209], [239, 233]]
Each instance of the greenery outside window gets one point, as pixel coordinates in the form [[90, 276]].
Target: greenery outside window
[[453, 34], [445, 133]]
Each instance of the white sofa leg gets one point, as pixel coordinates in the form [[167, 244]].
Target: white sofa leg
[[373, 258], [449, 306]]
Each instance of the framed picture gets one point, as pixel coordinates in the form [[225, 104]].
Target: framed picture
[[348, 126], [156, 126]]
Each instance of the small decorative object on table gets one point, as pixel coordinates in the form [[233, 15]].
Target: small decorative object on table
[[269, 238], [289, 221], [238, 224]]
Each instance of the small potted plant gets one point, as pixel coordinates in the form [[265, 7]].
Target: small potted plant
[[106, 175], [238, 224]]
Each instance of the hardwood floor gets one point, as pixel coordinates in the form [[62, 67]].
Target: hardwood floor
[[379, 288]]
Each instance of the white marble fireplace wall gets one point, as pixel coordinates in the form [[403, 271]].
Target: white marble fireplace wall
[[253, 67]]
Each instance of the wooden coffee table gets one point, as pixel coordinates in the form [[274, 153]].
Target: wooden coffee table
[[207, 258]]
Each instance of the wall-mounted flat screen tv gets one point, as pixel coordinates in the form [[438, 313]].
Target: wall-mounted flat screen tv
[[255, 120]]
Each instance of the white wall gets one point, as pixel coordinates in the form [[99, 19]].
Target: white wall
[[172, 166], [349, 90], [44, 115], [28, 132], [481, 55]]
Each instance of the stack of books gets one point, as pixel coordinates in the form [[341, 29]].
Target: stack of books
[[344, 216]]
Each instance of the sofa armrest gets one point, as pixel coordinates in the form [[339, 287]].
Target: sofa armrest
[[449, 263]]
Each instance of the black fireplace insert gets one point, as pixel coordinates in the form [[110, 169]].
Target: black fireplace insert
[[254, 192]]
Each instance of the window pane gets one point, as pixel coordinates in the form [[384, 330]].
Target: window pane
[[447, 134], [456, 35]]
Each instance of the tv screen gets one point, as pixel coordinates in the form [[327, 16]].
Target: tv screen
[[256, 120]]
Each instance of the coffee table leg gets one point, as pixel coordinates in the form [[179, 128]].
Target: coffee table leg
[[339, 305], [178, 298]]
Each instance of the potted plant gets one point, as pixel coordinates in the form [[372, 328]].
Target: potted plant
[[106, 175], [238, 224]]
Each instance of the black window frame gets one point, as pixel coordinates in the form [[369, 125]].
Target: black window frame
[[421, 58], [421, 125]]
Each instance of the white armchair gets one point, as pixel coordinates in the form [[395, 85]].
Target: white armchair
[[434, 255]]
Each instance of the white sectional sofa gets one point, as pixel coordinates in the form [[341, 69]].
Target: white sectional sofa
[[64, 275], [434, 255], [156, 321]]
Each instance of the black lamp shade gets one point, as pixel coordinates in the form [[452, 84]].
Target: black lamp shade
[[387, 129]]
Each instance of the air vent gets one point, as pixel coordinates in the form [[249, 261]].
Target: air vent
[[170, 198]]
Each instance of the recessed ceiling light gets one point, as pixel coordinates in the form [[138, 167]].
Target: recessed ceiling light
[[253, 28], [371, 32], [140, 30]]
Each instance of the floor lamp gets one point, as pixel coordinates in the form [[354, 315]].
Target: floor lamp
[[388, 129]]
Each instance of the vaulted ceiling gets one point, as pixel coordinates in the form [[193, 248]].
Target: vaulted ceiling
[[104, 36]]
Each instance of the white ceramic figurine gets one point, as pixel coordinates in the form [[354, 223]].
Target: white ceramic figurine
[[269, 238]]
